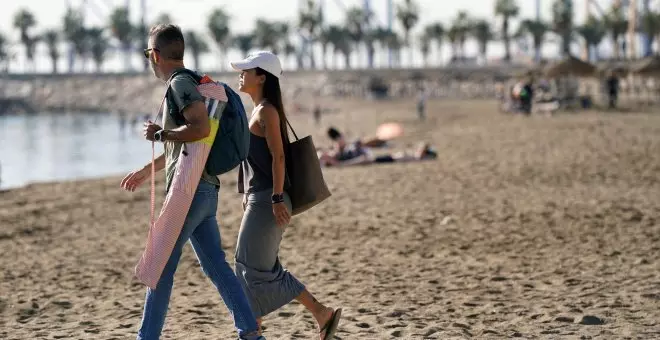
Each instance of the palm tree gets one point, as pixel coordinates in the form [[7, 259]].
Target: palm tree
[[408, 14], [562, 23], [52, 38], [310, 20], [163, 18], [74, 34], [218, 26], [593, 32], [394, 43], [380, 36], [83, 46], [650, 25], [197, 46], [281, 29], [340, 41], [265, 35], [4, 53], [243, 42], [24, 21], [141, 36], [436, 32], [123, 31], [98, 46], [425, 47], [325, 39], [453, 36], [537, 29], [283, 44], [356, 21], [461, 26], [483, 33], [616, 23], [507, 9]]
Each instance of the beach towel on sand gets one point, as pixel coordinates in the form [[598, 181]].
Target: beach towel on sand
[[164, 232]]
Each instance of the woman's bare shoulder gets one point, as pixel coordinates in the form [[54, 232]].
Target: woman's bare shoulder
[[266, 111]]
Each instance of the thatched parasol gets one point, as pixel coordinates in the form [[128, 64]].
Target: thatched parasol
[[570, 66], [649, 66]]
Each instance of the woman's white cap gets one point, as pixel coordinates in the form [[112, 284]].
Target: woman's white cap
[[264, 60]]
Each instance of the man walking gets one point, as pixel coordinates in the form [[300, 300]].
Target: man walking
[[165, 54]]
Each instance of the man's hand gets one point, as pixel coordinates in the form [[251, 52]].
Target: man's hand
[[149, 129], [134, 179], [281, 213]]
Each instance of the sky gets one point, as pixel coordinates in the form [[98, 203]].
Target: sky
[[192, 14]]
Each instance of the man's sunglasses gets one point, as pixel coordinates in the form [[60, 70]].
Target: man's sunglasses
[[147, 52]]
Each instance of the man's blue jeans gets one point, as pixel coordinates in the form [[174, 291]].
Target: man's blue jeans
[[201, 227]]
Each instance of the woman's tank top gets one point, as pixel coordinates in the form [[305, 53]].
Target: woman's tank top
[[255, 173]]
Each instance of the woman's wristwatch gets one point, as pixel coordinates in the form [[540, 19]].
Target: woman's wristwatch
[[277, 198]]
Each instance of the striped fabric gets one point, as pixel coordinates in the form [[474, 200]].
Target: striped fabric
[[164, 232]]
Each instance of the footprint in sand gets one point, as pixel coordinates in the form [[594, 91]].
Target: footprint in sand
[[27, 311], [64, 304]]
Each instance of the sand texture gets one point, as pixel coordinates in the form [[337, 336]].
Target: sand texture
[[541, 227]]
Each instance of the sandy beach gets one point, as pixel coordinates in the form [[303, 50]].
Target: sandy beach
[[533, 228]]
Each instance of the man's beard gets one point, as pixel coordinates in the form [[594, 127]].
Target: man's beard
[[154, 69]]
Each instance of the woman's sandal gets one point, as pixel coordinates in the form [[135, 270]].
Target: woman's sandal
[[331, 326]]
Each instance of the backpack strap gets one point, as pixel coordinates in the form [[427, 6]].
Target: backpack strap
[[172, 107]]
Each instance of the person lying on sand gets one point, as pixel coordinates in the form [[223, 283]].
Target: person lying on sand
[[339, 141], [356, 154]]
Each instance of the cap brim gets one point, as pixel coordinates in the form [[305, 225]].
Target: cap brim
[[241, 65]]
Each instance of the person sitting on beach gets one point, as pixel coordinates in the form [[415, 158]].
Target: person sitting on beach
[[360, 155], [267, 207], [165, 55]]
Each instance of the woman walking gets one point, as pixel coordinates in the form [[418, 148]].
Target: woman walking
[[267, 207]]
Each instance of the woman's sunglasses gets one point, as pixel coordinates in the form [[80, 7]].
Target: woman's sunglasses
[[147, 52]]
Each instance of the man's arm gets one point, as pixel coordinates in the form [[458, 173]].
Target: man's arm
[[270, 123], [191, 102]]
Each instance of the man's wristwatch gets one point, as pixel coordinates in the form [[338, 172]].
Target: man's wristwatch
[[277, 198], [159, 136]]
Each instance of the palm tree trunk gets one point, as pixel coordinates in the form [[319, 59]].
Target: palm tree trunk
[[537, 51], [312, 59], [410, 48], [347, 59], [127, 57], [507, 41], [334, 60], [370, 55], [617, 47], [439, 51], [324, 54], [53, 64]]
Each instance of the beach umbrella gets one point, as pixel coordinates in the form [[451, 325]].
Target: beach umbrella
[[570, 66], [389, 131]]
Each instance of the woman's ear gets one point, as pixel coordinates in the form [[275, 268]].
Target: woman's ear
[[262, 79]]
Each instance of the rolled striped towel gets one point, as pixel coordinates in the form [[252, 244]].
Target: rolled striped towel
[[165, 230]]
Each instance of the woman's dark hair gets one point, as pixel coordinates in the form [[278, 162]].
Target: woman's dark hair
[[273, 94], [333, 133]]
